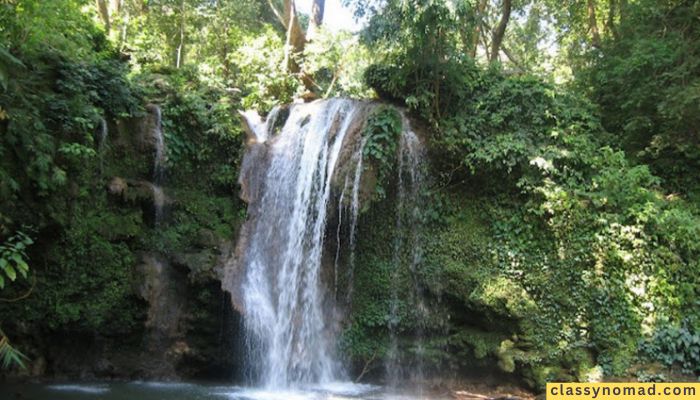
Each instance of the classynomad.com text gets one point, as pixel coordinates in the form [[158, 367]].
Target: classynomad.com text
[[623, 391]]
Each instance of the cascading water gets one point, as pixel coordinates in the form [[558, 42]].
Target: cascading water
[[291, 173], [158, 163], [355, 210], [158, 203], [102, 144], [290, 341], [159, 159], [407, 253], [353, 178]]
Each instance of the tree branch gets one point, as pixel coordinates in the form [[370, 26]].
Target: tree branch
[[366, 368], [277, 14]]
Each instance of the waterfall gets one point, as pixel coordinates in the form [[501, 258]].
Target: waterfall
[[104, 132], [407, 252], [355, 175], [102, 144], [158, 162], [290, 340], [159, 159], [158, 203], [299, 161], [336, 262], [355, 211]]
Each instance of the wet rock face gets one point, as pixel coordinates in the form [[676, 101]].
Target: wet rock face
[[161, 285], [185, 335], [183, 326]]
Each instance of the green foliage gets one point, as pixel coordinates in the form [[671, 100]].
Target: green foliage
[[381, 134], [646, 83], [366, 339], [422, 62], [52, 106], [9, 355], [675, 345], [337, 61], [581, 257], [13, 257], [262, 75], [198, 33], [13, 261], [94, 265], [201, 132], [7, 61]]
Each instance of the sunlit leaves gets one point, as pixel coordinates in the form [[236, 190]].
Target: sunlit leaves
[[13, 255]]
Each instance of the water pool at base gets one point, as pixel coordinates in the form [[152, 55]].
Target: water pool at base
[[196, 391]]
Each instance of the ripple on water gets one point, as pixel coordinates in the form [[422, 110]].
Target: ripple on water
[[88, 389], [164, 385]]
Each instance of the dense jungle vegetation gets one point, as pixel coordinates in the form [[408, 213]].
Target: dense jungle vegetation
[[562, 209]]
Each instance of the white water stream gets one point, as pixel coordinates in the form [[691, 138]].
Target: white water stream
[[289, 178]]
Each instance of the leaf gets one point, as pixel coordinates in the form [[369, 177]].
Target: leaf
[[10, 272], [23, 268], [9, 355], [16, 258]]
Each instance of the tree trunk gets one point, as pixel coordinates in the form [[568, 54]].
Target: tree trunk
[[316, 18], [295, 41], [481, 8], [103, 9], [181, 45], [224, 50], [115, 6], [610, 24], [295, 38], [124, 28], [500, 31], [593, 23]]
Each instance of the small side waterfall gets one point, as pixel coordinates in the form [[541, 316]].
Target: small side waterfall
[[158, 203], [159, 162], [407, 255], [102, 142], [353, 178], [355, 210], [159, 159]]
